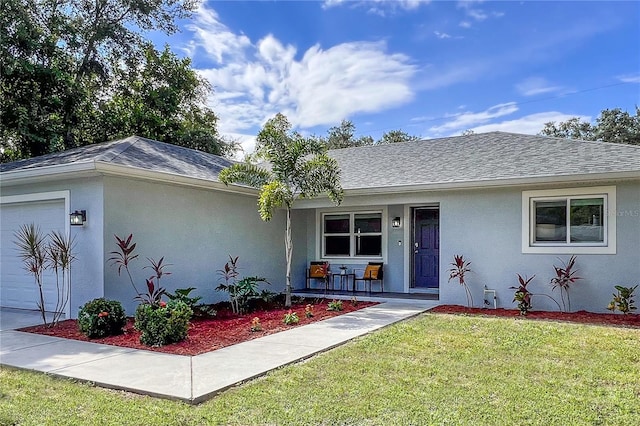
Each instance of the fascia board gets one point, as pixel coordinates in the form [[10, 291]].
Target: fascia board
[[47, 173], [175, 179], [477, 184], [96, 168]]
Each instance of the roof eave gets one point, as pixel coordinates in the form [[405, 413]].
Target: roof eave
[[98, 168], [171, 178], [475, 184], [47, 173]]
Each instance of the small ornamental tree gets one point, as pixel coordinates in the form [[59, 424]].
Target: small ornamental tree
[[41, 252], [299, 168]]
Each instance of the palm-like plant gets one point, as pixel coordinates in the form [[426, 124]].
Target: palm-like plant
[[124, 256], [459, 270], [32, 249], [41, 252], [60, 257], [565, 276], [299, 168]]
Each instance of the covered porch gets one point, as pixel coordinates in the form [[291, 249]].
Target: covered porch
[[365, 296]]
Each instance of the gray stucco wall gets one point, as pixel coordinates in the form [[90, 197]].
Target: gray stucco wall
[[195, 230], [485, 226], [88, 270]]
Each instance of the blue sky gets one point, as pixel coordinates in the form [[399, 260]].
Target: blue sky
[[431, 69]]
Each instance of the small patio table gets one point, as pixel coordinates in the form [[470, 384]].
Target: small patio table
[[344, 281]]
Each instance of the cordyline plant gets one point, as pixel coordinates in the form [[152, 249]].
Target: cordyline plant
[[522, 294], [41, 252], [459, 270], [299, 168], [565, 276], [240, 291], [123, 258]]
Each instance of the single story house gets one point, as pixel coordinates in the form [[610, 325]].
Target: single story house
[[509, 203]]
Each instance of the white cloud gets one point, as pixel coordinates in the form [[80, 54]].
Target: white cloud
[[629, 78], [475, 13], [466, 120], [529, 124], [254, 81], [441, 35], [403, 4], [215, 38], [536, 86]]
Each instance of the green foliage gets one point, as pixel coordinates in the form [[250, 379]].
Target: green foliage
[[291, 318], [623, 300], [164, 323], [459, 270], [300, 168], [75, 73], [565, 276], [396, 136], [613, 125], [334, 305], [182, 294], [241, 292], [40, 253], [343, 136], [101, 318]]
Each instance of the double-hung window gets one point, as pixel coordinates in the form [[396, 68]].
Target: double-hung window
[[569, 221], [352, 234]]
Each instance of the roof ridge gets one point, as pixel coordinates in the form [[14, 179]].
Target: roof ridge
[[121, 146]]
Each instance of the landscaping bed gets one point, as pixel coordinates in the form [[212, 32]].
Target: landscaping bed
[[209, 334], [582, 317]]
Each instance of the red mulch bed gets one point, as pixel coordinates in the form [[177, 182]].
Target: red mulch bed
[[209, 334], [583, 317]]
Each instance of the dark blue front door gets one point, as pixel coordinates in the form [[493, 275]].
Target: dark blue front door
[[426, 247]]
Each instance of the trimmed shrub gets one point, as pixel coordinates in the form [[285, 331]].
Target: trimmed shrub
[[101, 318], [164, 323]]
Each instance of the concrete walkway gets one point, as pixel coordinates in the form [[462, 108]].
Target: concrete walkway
[[189, 378]]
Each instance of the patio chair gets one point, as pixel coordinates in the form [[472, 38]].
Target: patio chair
[[318, 271], [373, 272]]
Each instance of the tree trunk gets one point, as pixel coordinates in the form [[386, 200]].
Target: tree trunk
[[288, 245]]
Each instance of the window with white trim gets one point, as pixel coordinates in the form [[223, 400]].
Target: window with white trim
[[352, 234], [563, 221]]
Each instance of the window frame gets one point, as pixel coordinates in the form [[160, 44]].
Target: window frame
[[529, 198], [352, 234]]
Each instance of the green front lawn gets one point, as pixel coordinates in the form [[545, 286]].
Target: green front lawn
[[435, 369]]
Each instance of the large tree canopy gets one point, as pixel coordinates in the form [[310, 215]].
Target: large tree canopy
[[299, 168], [613, 125], [70, 68]]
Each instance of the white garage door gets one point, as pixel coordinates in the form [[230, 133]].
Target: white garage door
[[17, 286]]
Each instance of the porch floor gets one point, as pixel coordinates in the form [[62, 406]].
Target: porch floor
[[386, 296]]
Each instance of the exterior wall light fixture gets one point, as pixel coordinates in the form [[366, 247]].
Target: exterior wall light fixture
[[396, 222], [78, 218]]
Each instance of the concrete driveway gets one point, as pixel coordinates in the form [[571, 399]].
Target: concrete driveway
[[11, 319]]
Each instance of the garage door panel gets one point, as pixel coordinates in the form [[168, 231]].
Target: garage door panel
[[17, 286]]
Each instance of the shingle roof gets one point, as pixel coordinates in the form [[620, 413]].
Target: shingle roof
[[486, 157], [136, 152], [477, 158]]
